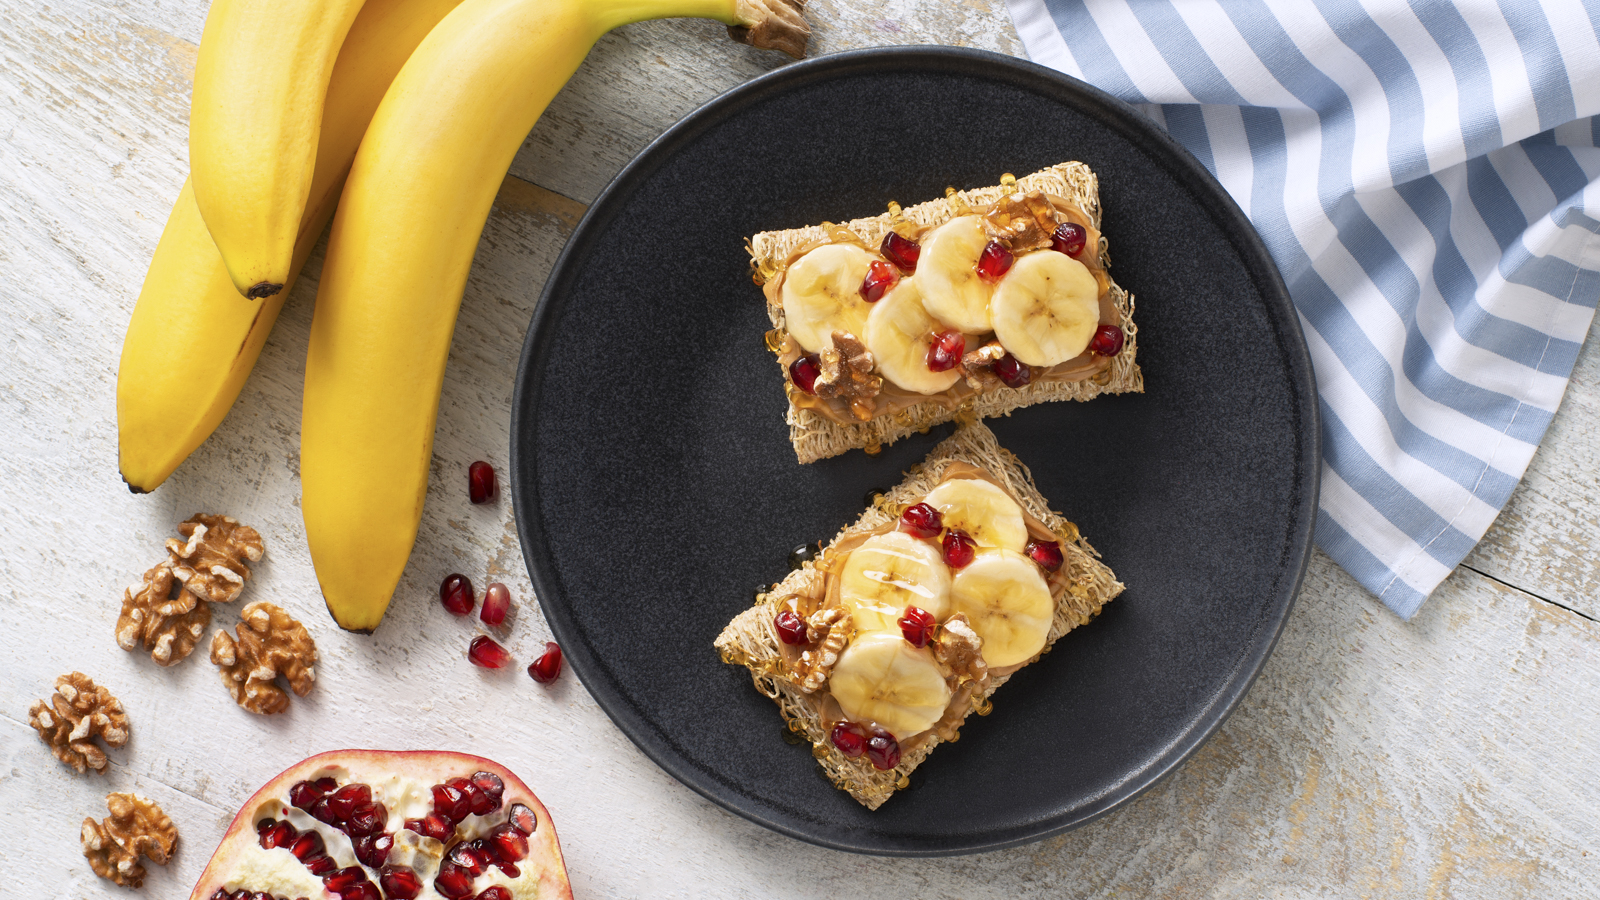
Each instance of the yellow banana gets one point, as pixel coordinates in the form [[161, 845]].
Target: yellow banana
[[398, 256], [193, 340], [259, 88]]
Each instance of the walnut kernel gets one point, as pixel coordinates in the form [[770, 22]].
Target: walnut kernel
[[161, 615], [847, 374], [78, 711], [136, 827], [270, 643], [1021, 221], [828, 630], [212, 560]]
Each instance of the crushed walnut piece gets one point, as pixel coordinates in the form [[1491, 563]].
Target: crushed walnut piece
[[136, 827], [161, 615], [978, 366], [270, 643], [960, 649], [78, 712], [847, 374], [213, 559], [828, 630], [1021, 221]]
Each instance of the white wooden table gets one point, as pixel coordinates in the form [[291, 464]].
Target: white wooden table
[[1454, 756]]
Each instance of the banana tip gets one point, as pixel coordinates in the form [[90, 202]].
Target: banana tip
[[134, 488], [262, 289]]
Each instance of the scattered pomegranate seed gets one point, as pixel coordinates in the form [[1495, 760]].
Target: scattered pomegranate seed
[[1107, 340], [483, 651], [995, 261], [945, 351], [496, 603], [509, 844], [901, 251], [490, 784], [495, 892], [850, 738], [453, 881], [1046, 554], [883, 750], [791, 628], [922, 521], [804, 371], [547, 668], [522, 818], [455, 592], [399, 882], [344, 879], [917, 625], [1069, 238], [1014, 372], [879, 279], [959, 549], [345, 800], [482, 486]]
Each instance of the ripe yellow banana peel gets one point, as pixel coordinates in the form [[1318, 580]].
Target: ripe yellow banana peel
[[402, 243], [193, 340], [254, 124]]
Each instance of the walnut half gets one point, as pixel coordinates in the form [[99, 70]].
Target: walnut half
[[828, 630], [78, 711], [270, 643], [136, 827], [213, 559], [847, 375], [161, 615]]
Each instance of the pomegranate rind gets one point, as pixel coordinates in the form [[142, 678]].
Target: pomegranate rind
[[544, 847]]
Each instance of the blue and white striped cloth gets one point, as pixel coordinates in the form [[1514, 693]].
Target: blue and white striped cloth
[[1424, 174]]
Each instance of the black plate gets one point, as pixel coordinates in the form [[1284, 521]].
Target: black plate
[[655, 487]]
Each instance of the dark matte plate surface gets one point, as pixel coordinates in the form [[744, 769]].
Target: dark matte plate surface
[[655, 487]]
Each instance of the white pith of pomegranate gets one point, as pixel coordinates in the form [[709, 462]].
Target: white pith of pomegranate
[[389, 825]]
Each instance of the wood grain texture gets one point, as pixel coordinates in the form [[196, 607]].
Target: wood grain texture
[[1454, 756]]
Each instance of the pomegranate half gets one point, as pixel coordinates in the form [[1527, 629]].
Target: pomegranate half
[[382, 825]]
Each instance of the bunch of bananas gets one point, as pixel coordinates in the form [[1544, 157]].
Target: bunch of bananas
[[406, 115]]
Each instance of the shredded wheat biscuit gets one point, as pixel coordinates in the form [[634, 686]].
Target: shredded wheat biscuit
[[751, 639], [816, 437]]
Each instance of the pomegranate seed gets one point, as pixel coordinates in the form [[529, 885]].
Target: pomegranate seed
[[958, 549], [791, 628], [522, 819], [495, 892], [490, 784], [483, 651], [450, 803], [804, 371], [221, 894], [306, 793], [883, 750], [481, 484], [1069, 238], [922, 521], [453, 881], [278, 834], [1014, 372], [547, 668], [510, 869], [308, 846], [496, 603], [320, 811], [432, 825], [367, 818], [917, 625], [373, 849], [880, 277], [344, 879], [1107, 340], [995, 261], [509, 844], [345, 800], [455, 592], [366, 890], [901, 251], [1046, 554], [482, 803], [850, 738], [399, 882], [469, 858], [321, 865], [945, 351]]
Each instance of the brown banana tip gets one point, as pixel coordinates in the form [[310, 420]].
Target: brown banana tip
[[772, 25], [133, 488], [262, 289]]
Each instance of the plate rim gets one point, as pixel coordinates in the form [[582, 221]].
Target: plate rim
[[1111, 111]]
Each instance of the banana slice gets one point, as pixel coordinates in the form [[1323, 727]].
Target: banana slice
[[986, 513], [952, 292], [881, 678], [822, 293], [1008, 603], [899, 332], [1046, 308], [888, 573]]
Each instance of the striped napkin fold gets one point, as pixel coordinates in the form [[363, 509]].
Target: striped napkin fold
[[1424, 174]]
